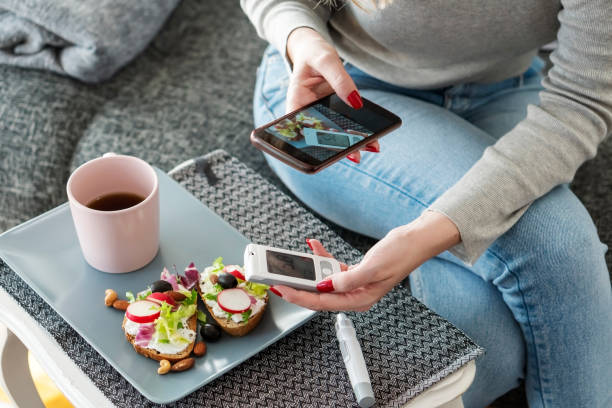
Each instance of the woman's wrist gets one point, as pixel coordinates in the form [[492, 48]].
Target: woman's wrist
[[430, 234], [294, 38]]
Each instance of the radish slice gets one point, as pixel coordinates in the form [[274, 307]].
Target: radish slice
[[142, 311], [159, 297], [234, 300], [233, 270]]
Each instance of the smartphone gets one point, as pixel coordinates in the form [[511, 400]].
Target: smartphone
[[330, 138], [275, 266], [318, 135]]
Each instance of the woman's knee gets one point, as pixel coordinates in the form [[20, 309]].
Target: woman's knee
[[556, 236]]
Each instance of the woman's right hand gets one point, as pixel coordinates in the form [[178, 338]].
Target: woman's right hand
[[317, 72]]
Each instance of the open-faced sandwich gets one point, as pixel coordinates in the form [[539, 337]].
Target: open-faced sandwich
[[235, 304], [161, 321]]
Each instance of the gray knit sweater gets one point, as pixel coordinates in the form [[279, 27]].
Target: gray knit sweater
[[436, 43]]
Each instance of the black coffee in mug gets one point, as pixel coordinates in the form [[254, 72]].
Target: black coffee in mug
[[115, 201]]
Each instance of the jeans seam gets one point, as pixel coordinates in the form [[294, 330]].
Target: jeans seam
[[532, 335], [263, 96], [393, 187]]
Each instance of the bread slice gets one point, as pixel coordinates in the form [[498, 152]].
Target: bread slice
[[229, 326], [156, 355]]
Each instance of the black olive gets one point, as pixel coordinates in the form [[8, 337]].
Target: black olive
[[210, 332], [227, 281], [160, 286]]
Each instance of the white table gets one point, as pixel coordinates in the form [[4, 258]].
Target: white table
[[20, 332]]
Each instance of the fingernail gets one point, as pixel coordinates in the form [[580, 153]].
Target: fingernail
[[325, 286], [275, 291], [352, 159], [355, 100], [372, 149], [309, 244]]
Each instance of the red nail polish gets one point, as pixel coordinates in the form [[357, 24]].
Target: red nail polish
[[355, 100], [372, 149], [325, 286], [309, 244], [275, 291], [353, 160]]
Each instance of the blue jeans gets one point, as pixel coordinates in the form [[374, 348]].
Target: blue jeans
[[539, 300]]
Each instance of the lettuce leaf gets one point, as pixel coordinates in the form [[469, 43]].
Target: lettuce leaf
[[218, 265], [257, 289], [143, 295], [191, 297], [167, 324]]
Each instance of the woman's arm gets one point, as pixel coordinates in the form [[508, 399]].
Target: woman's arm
[[274, 20], [298, 29], [548, 146]]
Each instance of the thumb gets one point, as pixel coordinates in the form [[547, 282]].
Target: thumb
[[355, 277], [333, 71], [319, 249]]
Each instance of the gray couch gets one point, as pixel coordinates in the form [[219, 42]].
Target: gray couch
[[189, 93]]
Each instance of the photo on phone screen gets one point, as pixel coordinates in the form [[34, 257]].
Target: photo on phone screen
[[323, 132], [319, 131]]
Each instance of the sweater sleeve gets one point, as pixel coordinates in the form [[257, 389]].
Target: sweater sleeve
[[547, 147], [274, 20]]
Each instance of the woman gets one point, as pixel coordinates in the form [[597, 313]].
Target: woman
[[472, 189]]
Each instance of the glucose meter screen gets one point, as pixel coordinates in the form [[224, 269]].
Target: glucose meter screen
[[290, 265]]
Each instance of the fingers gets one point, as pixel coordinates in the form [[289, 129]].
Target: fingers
[[359, 300], [355, 157], [298, 96], [330, 67], [318, 249], [373, 147], [352, 278]]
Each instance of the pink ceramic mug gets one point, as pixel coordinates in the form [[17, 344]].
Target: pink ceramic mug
[[121, 240]]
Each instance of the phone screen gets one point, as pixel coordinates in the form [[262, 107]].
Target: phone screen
[[321, 130], [280, 263]]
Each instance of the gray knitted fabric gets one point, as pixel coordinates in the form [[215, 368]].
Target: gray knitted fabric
[[407, 347], [87, 39]]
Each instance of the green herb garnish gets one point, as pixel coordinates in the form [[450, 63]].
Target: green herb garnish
[[201, 316], [246, 315]]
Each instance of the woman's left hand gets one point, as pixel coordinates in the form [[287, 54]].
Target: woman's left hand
[[360, 286]]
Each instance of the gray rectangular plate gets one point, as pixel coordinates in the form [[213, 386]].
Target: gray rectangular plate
[[45, 253]]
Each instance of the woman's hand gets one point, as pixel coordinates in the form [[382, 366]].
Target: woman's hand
[[317, 72], [387, 263]]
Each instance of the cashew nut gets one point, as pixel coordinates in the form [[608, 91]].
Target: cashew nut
[[164, 367], [110, 297]]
